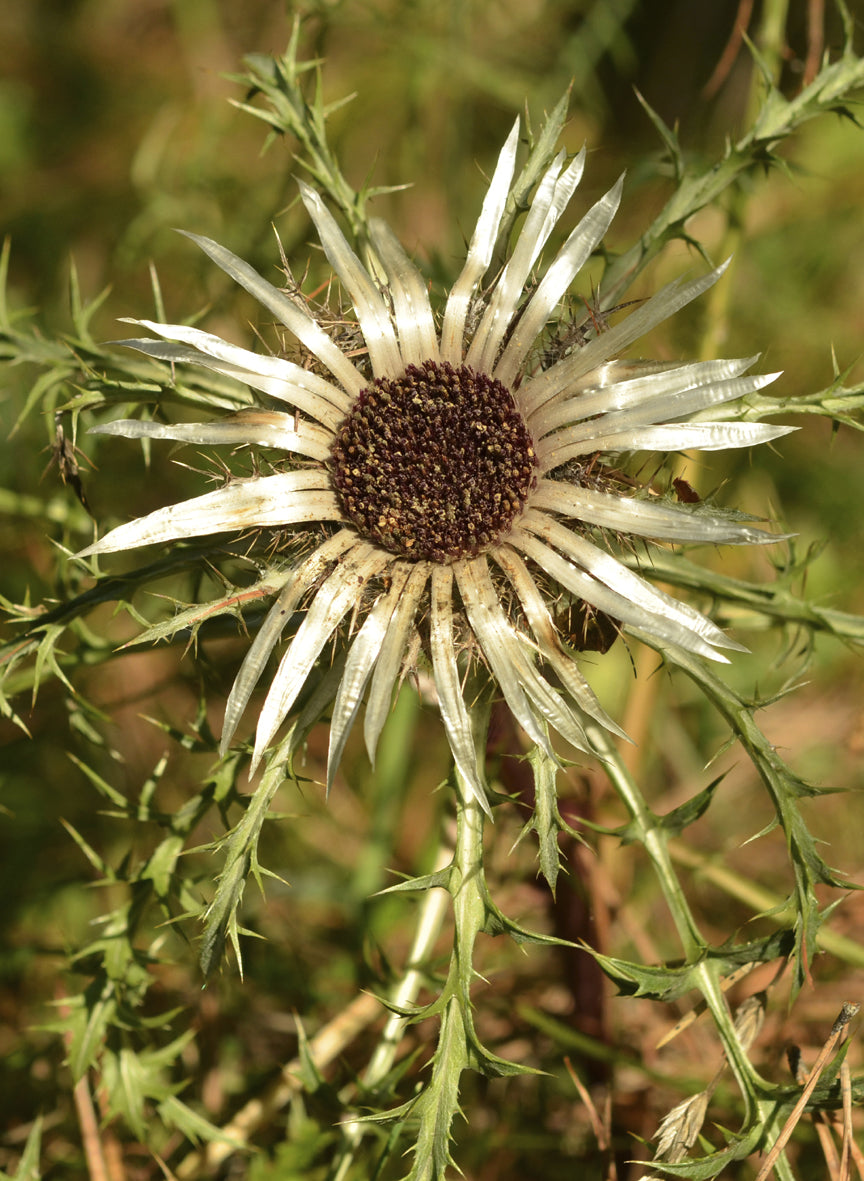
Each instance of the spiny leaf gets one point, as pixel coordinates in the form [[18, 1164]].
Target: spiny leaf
[[429, 881], [133, 1078], [545, 820], [495, 922], [89, 1025], [680, 818], [438, 1104], [194, 616], [177, 1115], [664, 982], [290, 112], [701, 185], [707, 1167], [543, 149], [241, 844], [669, 137]]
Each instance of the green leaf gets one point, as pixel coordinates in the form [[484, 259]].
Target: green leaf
[[193, 617], [177, 1115], [669, 137], [438, 1104], [131, 1079], [429, 881], [279, 81], [92, 1015], [28, 1165], [495, 922], [665, 982], [707, 1167], [542, 151], [685, 814]]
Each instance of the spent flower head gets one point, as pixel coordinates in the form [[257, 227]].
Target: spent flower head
[[458, 477]]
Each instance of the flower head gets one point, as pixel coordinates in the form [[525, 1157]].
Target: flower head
[[462, 475]]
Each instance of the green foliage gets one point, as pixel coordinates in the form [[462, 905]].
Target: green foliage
[[663, 982], [169, 840], [28, 1165], [699, 185], [290, 113]]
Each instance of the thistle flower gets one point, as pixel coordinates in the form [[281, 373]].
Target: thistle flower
[[457, 481]]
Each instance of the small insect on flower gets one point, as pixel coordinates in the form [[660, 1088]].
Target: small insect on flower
[[584, 628], [439, 475], [64, 455], [685, 492]]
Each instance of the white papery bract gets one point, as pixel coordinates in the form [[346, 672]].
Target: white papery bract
[[462, 477]]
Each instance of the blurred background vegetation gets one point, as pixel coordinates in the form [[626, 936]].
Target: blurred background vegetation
[[115, 126]]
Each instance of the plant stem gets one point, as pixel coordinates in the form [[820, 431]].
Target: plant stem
[[653, 838], [434, 908], [439, 1103]]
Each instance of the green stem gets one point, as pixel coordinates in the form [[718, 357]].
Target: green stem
[[654, 839], [434, 908], [771, 39], [439, 1103], [436, 1107], [469, 903], [746, 1076]]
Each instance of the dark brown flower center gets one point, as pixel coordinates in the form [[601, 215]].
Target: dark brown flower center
[[435, 464]]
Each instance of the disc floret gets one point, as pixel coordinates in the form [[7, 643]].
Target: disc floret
[[434, 465]]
